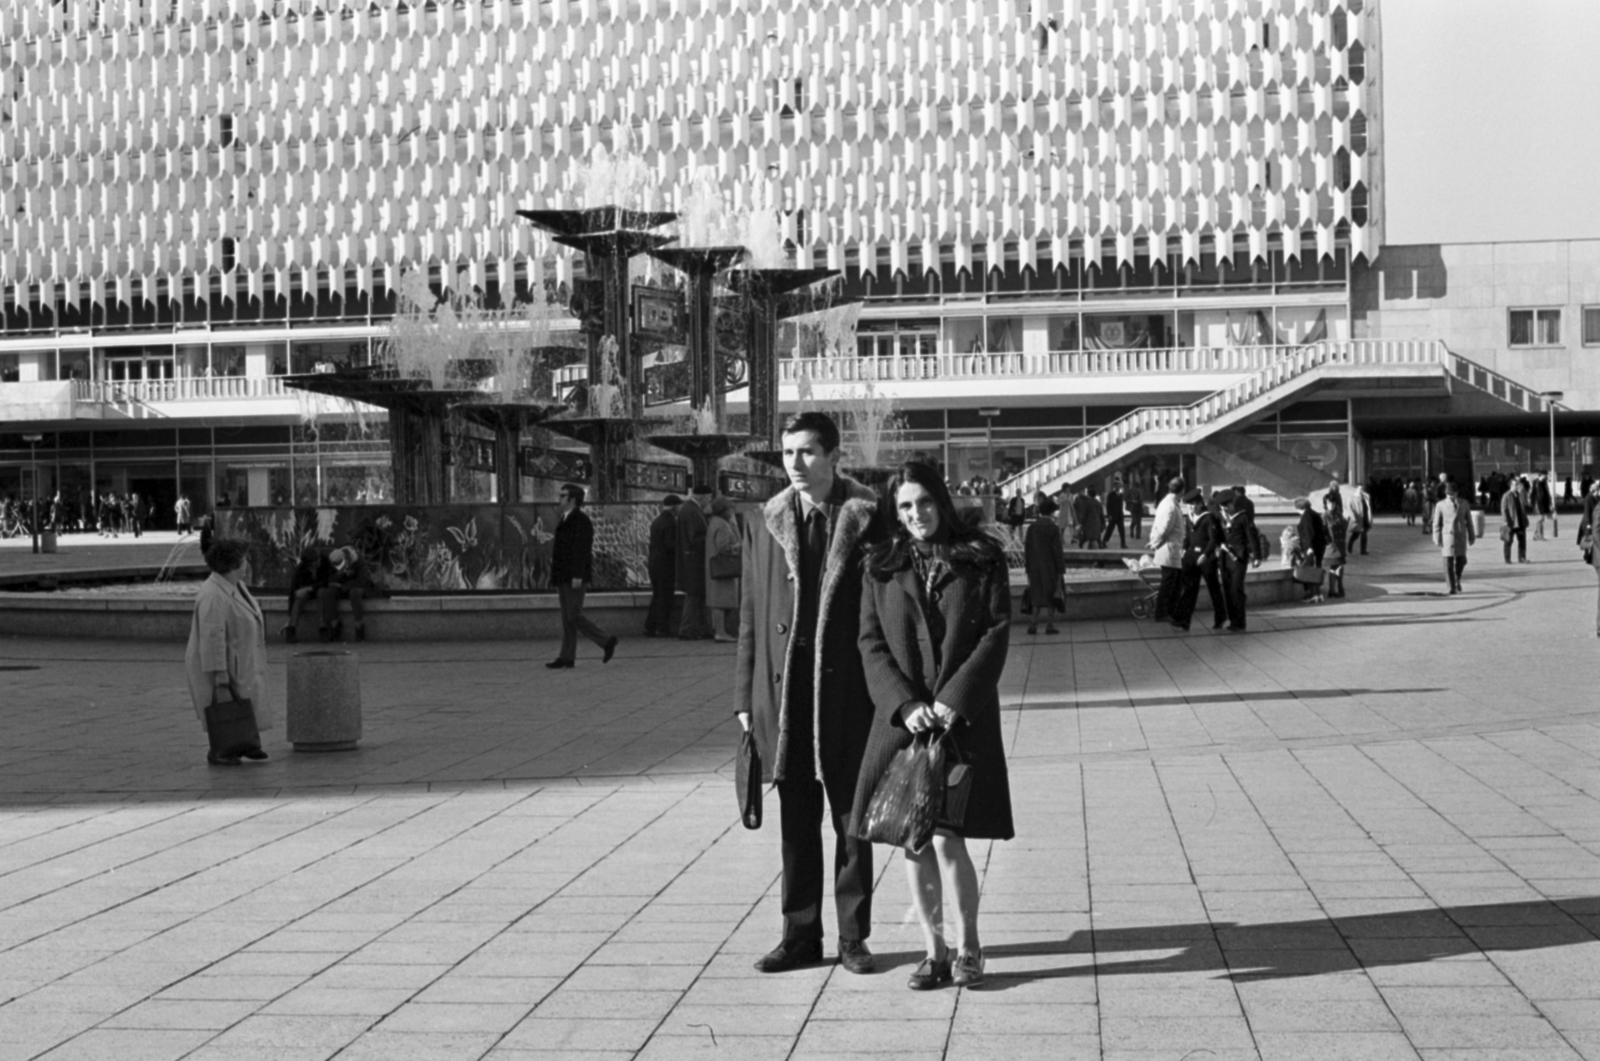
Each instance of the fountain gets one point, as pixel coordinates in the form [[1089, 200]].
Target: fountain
[[439, 366]]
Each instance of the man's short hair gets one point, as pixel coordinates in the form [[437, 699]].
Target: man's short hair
[[574, 491], [1175, 485], [819, 424]]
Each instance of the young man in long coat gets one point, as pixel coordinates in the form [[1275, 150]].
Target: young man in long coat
[[800, 687], [663, 563], [691, 573]]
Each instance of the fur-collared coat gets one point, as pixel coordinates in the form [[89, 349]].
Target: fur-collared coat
[[768, 608], [972, 603]]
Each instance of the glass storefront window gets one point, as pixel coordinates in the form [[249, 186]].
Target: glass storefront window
[[253, 483]]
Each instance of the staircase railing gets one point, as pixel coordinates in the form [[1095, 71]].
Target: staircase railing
[[1184, 420], [1495, 385]]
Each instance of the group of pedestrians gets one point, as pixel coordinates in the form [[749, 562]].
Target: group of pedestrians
[[1212, 539], [694, 553]]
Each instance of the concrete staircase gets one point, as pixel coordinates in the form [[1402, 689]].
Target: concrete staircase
[[1251, 460], [1352, 366]]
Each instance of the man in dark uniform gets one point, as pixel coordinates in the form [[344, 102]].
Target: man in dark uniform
[[800, 687], [571, 571], [1239, 555], [663, 567]]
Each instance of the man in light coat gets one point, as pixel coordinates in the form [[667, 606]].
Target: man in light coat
[[1452, 533], [1166, 544], [801, 689], [1360, 509]]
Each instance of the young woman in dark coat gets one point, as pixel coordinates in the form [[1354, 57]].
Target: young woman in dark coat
[[935, 623]]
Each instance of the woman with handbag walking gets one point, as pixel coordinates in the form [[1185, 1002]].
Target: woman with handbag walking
[[226, 661], [722, 568], [935, 624]]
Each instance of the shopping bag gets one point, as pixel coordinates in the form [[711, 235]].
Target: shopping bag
[[747, 781], [906, 805], [231, 727]]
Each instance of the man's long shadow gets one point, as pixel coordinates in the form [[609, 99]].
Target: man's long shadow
[[1288, 949]]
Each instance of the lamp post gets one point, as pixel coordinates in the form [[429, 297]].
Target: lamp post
[[33, 514], [1550, 399], [988, 420]]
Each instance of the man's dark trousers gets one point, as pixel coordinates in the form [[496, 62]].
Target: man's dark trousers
[[800, 812], [574, 622], [1167, 593], [1360, 533], [1520, 536], [1233, 572], [658, 620], [1188, 595], [1212, 573]]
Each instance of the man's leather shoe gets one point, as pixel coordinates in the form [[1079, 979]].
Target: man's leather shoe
[[611, 649], [559, 664], [790, 954], [854, 956]]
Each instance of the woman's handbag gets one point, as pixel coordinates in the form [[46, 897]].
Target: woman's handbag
[[725, 565], [1505, 532], [1310, 574], [747, 781], [914, 794], [231, 727]]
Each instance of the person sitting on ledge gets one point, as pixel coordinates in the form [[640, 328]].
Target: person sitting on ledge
[[345, 576], [310, 575]]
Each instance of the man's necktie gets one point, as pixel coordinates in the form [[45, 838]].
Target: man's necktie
[[817, 540]]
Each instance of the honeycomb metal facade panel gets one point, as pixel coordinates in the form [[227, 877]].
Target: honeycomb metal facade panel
[[327, 135]]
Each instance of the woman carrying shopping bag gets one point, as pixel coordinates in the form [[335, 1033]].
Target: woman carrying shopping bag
[[226, 661], [935, 622]]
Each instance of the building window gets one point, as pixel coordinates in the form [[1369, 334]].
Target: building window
[[1591, 326], [1535, 327]]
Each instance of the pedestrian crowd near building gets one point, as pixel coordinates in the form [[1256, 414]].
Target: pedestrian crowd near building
[[109, 515]]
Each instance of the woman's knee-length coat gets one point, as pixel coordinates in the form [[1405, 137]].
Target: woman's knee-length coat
[[974, 604], [228, 635]]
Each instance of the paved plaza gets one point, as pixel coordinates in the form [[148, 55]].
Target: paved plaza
[[1367, 830]]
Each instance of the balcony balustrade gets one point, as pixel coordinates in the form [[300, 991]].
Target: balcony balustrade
[[189, 389], [1036, 365]]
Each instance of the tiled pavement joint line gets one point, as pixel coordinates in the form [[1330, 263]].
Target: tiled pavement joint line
[[1216, 939], [246, 945], [158, 854], [1277, 842], [1089, 897], [379, 1019]]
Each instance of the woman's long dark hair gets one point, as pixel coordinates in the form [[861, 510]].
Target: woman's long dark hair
[[962, 531]]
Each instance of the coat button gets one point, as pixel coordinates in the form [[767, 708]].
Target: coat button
[[783, 628], [789, 577], [777, 676]]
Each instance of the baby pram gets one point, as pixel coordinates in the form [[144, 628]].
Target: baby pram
[[1149, 573]]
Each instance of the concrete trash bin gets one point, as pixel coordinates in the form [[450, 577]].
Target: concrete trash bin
[[1477, 523], [324, 701], [47, 541]]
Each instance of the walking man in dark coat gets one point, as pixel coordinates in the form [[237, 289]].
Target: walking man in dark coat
[[691, 574], [800, 686], [571, 571], [663, 567]]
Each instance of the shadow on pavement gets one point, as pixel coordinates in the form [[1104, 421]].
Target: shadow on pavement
[[1215, 698], [1287, 949]]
